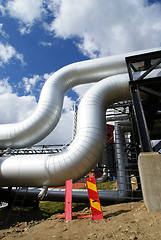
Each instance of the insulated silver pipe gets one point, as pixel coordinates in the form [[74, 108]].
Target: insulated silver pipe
[[106, 196], [81, 156], [48, 112]]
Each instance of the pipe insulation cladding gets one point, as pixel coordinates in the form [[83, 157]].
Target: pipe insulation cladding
[[76, 160], [48, 111], [82, 154]]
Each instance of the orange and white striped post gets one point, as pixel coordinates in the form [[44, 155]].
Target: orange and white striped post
[[94, 199]]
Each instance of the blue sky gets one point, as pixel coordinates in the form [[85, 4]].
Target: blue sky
[[39, 37]]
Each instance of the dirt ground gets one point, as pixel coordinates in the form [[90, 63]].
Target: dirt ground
[[121, 221]]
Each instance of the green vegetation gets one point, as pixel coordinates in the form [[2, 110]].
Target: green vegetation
[[47, 209], [112, 185], [50, 208], [107, 185]]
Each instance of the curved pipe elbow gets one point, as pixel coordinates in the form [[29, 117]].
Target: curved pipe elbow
[[48, 112], [103, 177], [82, 154]]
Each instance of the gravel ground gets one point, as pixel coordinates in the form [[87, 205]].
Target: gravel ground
[[121, 221]]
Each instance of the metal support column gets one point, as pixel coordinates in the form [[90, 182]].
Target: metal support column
[[141, 121], [134, 85]]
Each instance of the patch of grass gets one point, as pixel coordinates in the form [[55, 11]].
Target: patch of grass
[[47, 209], [51, 208], [111, 185], [107, 185]]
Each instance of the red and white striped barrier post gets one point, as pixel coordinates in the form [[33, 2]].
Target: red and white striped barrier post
[[94, 199]]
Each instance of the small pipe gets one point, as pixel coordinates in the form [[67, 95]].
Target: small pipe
[[43, 193], [104, 176]]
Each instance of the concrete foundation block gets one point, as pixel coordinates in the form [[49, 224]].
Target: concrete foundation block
[[150, 175]]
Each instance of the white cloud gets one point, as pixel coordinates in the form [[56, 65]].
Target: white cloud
[[7, 52], [68, 104], [45, 44], [47, 75], [4, 86], [34, 84], [82, 89], [62, 134], [2, 9], [2, 32], [11, 105], [108, 27], [14, 109], [29, 83], [26, 11], [25, 28], [53, 5], [101, 27]]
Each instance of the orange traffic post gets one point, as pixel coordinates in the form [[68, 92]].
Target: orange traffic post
[[68, 200], [94, 199]]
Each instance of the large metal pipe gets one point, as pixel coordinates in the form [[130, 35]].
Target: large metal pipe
[[58, 195], [106, 196], [82, 154], [47, 114]]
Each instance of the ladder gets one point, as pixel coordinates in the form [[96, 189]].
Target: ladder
[[13, 215], [132, 154]]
